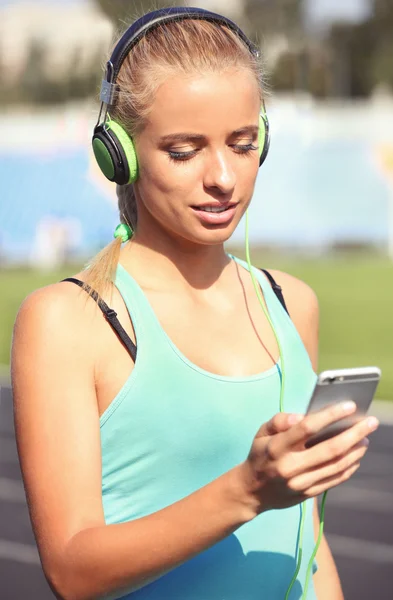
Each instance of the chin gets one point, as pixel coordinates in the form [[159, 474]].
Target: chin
[[213, 236], [189, 232]]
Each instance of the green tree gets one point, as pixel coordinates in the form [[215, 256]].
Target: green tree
[[33, 82], [363, 53], [38, 87], [269, 17]]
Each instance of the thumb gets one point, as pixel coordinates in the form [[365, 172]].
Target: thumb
[[279, 423]]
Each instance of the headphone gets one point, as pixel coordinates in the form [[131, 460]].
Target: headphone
[[112, 146]]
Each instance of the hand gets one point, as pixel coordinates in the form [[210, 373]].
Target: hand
[[280, 471]]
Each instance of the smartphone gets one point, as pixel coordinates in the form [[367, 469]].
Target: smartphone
[[338, 385]]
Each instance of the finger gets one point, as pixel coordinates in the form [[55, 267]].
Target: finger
[[331, 482], [311, 478], [339, 445], [279, 423], [312, 424]]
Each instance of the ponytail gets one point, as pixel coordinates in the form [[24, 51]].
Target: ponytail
[[101, 271]]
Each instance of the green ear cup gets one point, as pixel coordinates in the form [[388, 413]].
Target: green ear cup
[[115, 153], [261, 134], [103, 158], [128, 148]]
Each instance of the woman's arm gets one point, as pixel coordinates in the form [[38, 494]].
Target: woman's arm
[[58, 438], [302, 305]]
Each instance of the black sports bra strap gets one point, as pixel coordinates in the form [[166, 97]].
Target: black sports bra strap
[[277, 289], [110, 315]]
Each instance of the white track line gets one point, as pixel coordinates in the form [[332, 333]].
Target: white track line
[[367, 551], [360, 498], [23, 553]]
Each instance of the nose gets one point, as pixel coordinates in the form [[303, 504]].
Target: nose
[[219, 174]]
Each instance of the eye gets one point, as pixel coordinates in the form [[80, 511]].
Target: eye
[[181, 156], [244, 148], [177, 156]]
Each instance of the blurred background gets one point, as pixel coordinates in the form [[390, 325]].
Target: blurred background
[[322, 209]]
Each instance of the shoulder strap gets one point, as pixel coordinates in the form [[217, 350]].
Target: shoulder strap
[[110, 315], [277, 289]]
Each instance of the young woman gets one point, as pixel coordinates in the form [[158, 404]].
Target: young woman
[[171, 473]]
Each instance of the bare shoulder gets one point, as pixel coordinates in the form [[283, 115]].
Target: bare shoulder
[[302, 304], [56, 324], [51, 341], [57, 310], [62, 322]]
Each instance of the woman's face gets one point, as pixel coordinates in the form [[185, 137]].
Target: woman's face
[[198, 157]]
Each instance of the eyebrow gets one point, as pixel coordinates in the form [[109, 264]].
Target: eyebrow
[[197, 137], [251, 129], [182, 137]]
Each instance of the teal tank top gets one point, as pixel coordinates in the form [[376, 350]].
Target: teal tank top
[[175, 427]]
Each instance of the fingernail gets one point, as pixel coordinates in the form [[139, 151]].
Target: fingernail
[[348, 406], [293, 419], [364, 442], [372, 423]]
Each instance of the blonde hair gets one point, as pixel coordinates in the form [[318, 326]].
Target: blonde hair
[[186, 46]]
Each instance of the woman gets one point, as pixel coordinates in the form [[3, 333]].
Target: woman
[[158, 475]]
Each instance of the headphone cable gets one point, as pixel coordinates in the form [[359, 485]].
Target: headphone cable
[[281, 370]]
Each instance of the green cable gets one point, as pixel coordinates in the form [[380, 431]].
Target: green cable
[[303, 504], [258, 293], [316, 547], [303, 508]]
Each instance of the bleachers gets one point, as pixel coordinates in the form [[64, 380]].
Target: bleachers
[[57, 186]]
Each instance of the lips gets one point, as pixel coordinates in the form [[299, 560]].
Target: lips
[[215, 214], [214, 208]]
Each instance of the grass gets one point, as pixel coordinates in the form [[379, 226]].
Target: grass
[[355, 293]]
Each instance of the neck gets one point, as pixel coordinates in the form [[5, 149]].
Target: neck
[[163, 261]]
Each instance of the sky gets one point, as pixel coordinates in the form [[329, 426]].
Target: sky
[[353, 10]]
